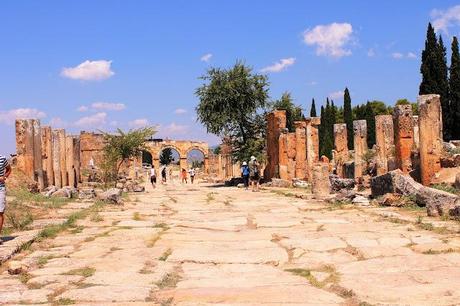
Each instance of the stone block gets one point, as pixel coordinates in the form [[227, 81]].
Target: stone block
[[404, 136]]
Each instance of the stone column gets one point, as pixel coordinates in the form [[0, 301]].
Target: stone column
[[301, 149], [312, 143], [57, 159], [62, 157], [276, 122], [416, 132], [183, 163], [321, 185], [76, 159], [38, 165], [340, 147], [70, 168], [25, 147], [404, 136], [360, 146], [384, 137], [430, 139], [47, 153], [283, 155], [206, 165]]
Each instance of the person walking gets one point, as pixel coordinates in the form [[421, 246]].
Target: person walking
[[5, 171], [171, 174], [163, 174], [153, 176], [184, 176], [192, 175], [254, 174], [245, 174]]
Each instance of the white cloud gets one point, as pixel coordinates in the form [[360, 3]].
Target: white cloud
[[82, 109], [331, 39], [9, 117], [313, 83], [371, 53], [279, 66], [443, 19], [89, 71], [397, 55], [95, 120], [206, 58], [180, 111], [174, 128], [336, 95], [57, 122], [139, 123], [108, 106]]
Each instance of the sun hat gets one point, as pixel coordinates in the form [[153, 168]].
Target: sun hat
[[245, 163]]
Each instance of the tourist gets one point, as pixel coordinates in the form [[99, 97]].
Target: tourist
[[5, 171], [192, 175], [254, 173], [245, 174], [153, 176], [163, 174], [184, 176]]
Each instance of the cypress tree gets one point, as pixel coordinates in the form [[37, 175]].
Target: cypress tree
[[313, 108], [370, 120], [454, 84], [444, 91], [348, 117], [321, 130], [434, 76]]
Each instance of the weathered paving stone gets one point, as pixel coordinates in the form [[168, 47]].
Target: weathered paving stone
[[251, 250]]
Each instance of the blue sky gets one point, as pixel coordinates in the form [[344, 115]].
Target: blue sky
[[103, 64]]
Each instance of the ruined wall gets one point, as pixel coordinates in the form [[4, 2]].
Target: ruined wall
[[430, 138]]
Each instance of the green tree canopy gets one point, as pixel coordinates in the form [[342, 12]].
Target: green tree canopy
[[293, 112], [232, 104], [166, 156]]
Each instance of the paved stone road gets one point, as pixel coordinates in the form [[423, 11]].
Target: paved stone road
[[198, 245]]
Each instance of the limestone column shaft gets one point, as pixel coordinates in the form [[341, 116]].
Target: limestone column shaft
[[384, 136], [340, 147], [70, 168], [404, 136], [360, 146], [37, 149], [47, 153], [57, 159], [62, 157], [430, 138], [301, 150]]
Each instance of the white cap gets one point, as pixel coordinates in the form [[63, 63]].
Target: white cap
[[253, 157], [245, 163]]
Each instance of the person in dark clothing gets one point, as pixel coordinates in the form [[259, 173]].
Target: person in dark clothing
[[245, 174]]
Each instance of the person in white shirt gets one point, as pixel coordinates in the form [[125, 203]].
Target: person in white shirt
[[192, 174]]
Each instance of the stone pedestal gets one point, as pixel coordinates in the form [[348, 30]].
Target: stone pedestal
[[384, 136], [360, 146], [430, 138], [340, 147], [320, 183], [404, 136]]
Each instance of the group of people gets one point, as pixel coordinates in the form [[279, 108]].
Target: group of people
[[183, 174], [251, 174]]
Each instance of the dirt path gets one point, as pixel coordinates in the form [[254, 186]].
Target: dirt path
[[197, 245]]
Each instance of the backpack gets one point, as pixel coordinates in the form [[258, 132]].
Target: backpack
[[246, 170], [254, 169]]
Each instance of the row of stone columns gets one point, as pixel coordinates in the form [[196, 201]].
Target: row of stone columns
[[291, 154], [403, 133], [47, 156]]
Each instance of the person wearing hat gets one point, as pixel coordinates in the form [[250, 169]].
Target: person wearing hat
[[245, 174], [254, 173]]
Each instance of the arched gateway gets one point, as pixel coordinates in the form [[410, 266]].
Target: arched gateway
[[183, 147]]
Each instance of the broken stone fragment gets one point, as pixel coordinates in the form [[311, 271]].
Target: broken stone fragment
[[113, 195], [16, 267], [338, 183]]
